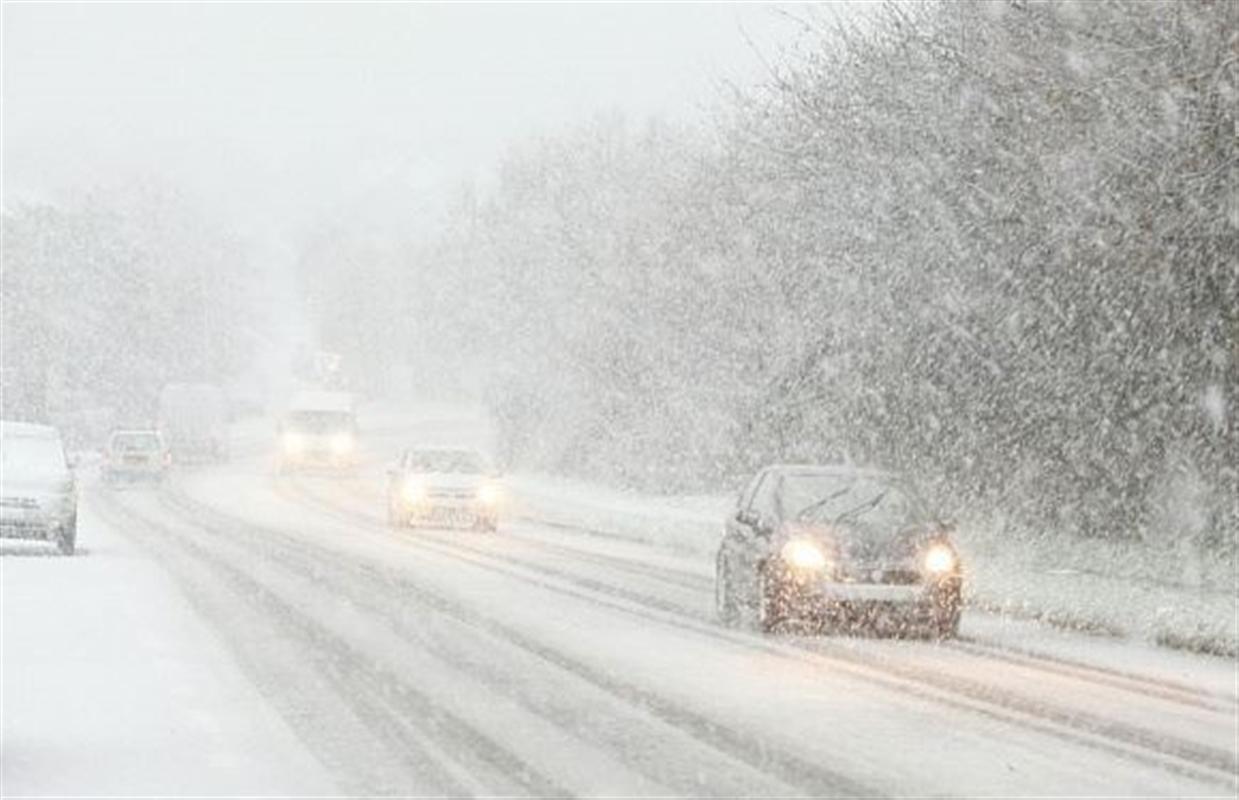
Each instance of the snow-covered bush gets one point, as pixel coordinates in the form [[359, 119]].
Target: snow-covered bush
[[992, 245]]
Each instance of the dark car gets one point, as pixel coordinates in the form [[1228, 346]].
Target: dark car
[[136, 456], [836, 547], [442, 486]]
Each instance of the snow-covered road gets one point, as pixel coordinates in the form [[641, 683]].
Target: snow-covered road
[[541, 661]]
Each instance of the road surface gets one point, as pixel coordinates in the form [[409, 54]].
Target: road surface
[[543, 661]]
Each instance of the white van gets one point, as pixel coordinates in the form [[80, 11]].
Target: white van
[[38, 493]]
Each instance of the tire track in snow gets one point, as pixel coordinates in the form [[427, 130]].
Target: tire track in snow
[[1185, 756], [751, 750], [358, 574], [408, 723], [1137, 684]]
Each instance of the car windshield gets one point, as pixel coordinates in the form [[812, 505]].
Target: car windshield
[[135, 442], [834, 498], [458, 461], [22, 455], [318, 421]]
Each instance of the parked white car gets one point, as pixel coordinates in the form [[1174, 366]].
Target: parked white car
[[38, 493]]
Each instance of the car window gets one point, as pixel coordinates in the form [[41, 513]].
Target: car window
[[745, 498], [318, 421], [135, 442], [830, 498], [458, 461], [766, 497]]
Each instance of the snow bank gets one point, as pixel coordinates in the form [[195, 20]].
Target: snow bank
[[112, 685], [685, 524]]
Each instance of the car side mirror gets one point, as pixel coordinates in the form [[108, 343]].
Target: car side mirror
[[747, 516]]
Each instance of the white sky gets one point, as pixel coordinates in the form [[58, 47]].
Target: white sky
[[286, 112]]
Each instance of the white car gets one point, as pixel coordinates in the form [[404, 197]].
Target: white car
[[136, 456], [38, 493], [441, 486]]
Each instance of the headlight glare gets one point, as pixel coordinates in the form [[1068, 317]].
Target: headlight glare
[[489, 494], [341, 444], [803, 554], [414, 490], [293, 443], [939, 559]]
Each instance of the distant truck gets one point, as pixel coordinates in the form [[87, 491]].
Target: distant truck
[[193, 419], [318, 431]]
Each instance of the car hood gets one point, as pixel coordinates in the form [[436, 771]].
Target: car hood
[[452, 480], [869, 544]]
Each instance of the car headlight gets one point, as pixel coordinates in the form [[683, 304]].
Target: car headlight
[[489, 494], [293, 443], [414, 490], [939, 559], [803, 554], [341, 444]]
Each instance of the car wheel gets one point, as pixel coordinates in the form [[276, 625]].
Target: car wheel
[[771, 610], [724, 602], [946, 613], [67, 540], [946, 627]]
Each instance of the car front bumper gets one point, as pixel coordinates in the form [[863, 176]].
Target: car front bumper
[[821, 598], [449, 512], [41, 523]]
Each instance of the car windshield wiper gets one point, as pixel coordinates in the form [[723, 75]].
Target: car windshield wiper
[[805, 512], [863, 507]]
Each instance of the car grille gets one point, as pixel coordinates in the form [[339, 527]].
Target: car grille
[[882, 575], [452, 494], [19, 502], [900, 577]]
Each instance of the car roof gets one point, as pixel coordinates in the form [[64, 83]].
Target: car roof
[[833, 470], [439, 449], [27, 430]]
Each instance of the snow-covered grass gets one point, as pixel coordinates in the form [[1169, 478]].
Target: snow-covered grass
[[685, 524], [1175, 598], [1125, 590], [112, 684]]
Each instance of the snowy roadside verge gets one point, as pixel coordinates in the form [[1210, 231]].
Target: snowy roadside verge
[[112, 685], [1079, 586]]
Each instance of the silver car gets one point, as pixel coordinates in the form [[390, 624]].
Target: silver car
[[38, 493], [136, 456], [443, 487]]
